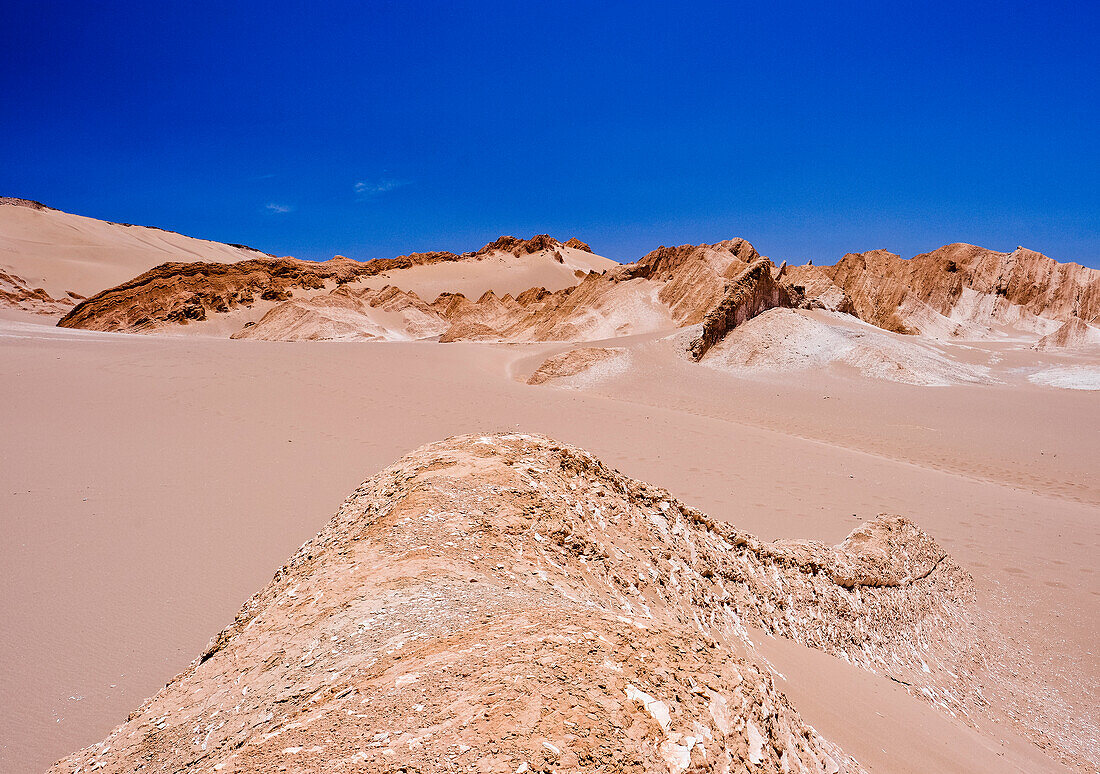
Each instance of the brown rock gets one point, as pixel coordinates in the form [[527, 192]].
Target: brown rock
[[1074, 334], [16, 293], [961, 287], [603, 631], [753, 291], [571, 363]]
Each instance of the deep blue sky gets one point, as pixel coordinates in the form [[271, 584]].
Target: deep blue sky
[[372, 129]]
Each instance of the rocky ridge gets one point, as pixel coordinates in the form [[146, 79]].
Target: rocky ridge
[[350, 314], [179, 293], [175, 293], [573, 363], [509, 603], [957, 290], [751, 292], [668, 288], [29, 203]]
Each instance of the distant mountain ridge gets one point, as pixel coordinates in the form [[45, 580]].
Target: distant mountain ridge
[[178, 293], [956, 288]]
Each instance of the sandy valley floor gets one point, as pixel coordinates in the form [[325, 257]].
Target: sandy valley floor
[[150, 485]]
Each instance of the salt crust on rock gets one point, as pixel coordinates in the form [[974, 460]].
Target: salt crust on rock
[[507, 602]]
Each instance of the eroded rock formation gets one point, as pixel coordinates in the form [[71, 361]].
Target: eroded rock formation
[[175, 293], [959, 289], [572, 363], [16, 293], [350, 314], [507, 602], [178, 293], [751, 292], [1074, 334], [668, 288]]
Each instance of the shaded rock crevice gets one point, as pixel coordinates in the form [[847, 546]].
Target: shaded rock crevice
[[755, 290]]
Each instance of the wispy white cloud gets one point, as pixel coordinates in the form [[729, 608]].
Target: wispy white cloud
[[279, 209], [365, 189]]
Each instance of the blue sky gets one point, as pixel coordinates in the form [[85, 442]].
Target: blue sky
[[374, 129]]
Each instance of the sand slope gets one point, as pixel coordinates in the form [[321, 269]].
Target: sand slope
[[1074, 334], [61, 252], [792, 340], [214, 298], [121, 568]]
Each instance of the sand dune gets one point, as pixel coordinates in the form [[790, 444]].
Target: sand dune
[[64, 253], [153, 482], [152, 565]]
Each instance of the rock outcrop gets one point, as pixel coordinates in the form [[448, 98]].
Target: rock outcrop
[[751, 292], [573, 363], [670, 287], [536, 244], [176, 294], [1072, 335], [817, 289], [16, 293], [959, 289], [29, 203], [601, 306], [350, 314], [695, 277], [508, 603]]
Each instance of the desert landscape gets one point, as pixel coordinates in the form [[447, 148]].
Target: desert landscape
[[526, 508]]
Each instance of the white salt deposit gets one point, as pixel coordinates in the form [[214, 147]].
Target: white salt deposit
[[785, 340], [1077, 377]]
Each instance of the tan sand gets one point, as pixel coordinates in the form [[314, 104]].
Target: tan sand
[[500, 272], [151, 485], [60, 251]]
